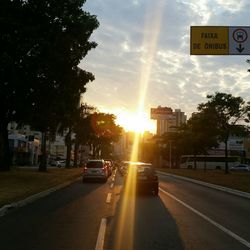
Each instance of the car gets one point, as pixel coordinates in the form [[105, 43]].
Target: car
[[240, 168], [62, 163], [55, 163], [146, 177], [95, 170], [123, 167]]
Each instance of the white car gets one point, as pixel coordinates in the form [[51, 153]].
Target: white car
[[55, 163], [95, 170], [62, 163], [240, 168]]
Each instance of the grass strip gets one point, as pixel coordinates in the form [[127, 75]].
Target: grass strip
[[238, 181], [20, 183]]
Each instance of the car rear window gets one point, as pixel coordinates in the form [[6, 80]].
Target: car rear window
[[94, 164], [144, 169]]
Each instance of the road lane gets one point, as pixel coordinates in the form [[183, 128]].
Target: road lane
[[165, 223], [70, 219], [145, 224], [227, 210], [66, 219]]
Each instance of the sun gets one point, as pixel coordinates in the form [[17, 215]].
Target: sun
[[136, 122]]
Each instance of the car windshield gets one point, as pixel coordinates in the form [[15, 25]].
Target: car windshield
[[241, 166], [144, 169], [141, 168]]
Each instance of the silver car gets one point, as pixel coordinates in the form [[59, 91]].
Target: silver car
[[241, 168], [95, 170]]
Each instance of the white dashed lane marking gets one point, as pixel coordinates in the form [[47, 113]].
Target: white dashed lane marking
[[101, 234], [108, 200]]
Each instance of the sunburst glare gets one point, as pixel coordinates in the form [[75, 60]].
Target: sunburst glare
[[125, 234]]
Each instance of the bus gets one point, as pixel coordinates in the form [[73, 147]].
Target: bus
[[208, 161]]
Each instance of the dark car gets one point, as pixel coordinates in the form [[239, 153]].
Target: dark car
[[123, 167], [146, 178]]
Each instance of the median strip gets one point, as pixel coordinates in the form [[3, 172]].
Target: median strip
[[210, 185]]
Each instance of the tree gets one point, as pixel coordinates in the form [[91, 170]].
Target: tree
[[229, 115], [105, 131], [200, 133], [41, 44], [82, 128]]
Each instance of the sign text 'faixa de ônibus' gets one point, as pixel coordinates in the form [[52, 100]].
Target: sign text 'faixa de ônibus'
[[220, 40]]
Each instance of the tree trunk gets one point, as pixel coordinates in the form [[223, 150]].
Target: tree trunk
[[205, 163], [93, 150], [226, 158], [195, 161], [76, 149], [5, 159], [43, 161], [69, 146]]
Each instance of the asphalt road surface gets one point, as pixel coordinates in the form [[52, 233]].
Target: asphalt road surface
[[106, 216]]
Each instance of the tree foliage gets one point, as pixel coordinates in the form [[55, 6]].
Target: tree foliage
[[41, 44], [218, 118], [194, 137], [105, 132], [82, 128], [229, 116]]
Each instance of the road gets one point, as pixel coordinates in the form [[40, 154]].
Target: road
[[86, 216]]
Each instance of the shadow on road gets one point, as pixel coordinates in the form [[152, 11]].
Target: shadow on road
[[144, 224], [52, 222]]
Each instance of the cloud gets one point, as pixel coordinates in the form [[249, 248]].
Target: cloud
[[125, 37]]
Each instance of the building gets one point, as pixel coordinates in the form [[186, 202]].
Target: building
[[167, 119], [25, 145], [124, 147]]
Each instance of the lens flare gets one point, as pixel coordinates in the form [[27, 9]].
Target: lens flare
[[125, 233]]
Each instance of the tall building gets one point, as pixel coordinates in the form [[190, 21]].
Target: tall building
[[124, 147], [167, 119]]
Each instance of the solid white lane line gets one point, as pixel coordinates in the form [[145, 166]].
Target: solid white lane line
[[101, 235], [225, 230], [108, 198]]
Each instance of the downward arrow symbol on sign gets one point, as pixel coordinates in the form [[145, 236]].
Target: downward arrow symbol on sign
[[240, 49]]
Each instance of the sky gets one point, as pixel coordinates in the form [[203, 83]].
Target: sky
[[143, 59]]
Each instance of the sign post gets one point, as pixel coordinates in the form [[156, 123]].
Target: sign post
[[220, 40]]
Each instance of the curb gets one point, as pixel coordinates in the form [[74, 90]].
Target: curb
[[224, 189], [8, 207]]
